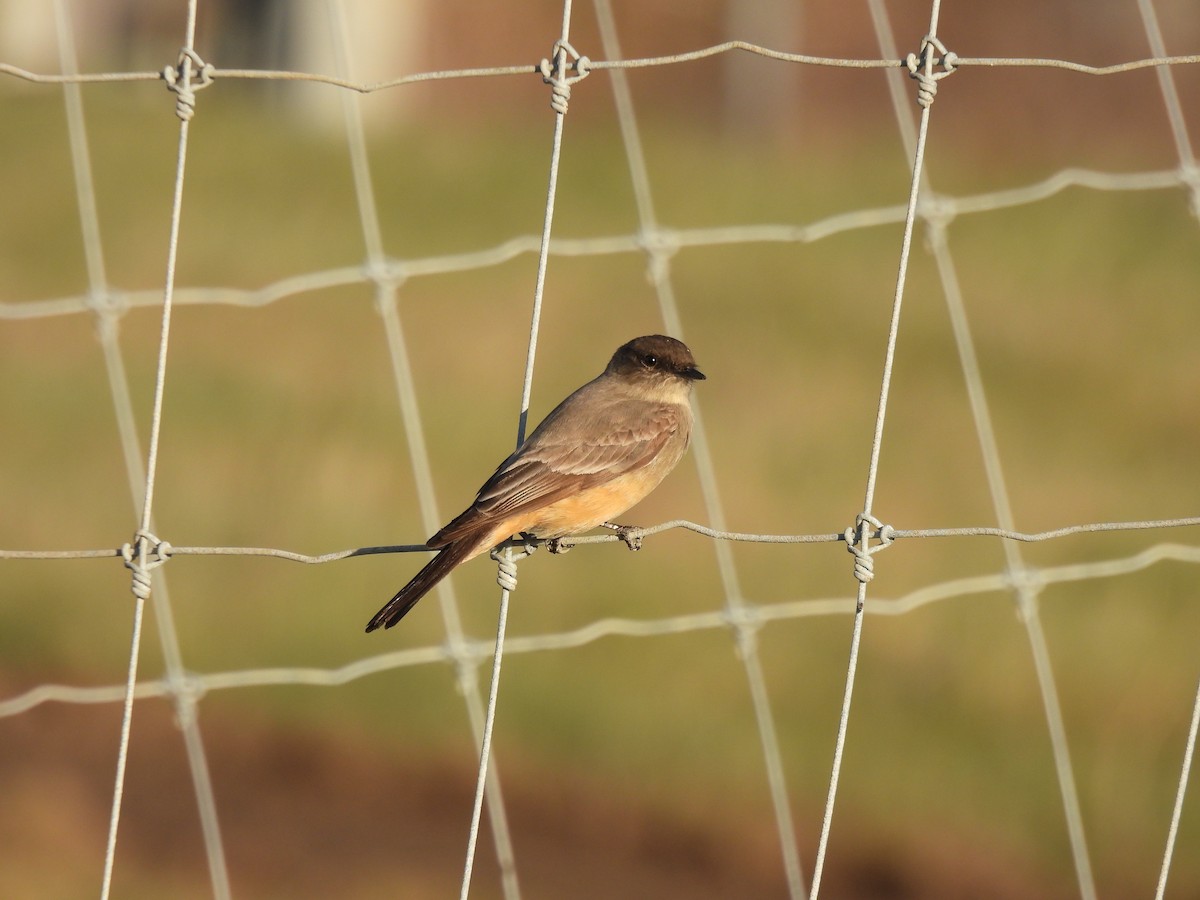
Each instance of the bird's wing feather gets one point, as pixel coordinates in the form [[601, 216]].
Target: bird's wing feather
[[533, 477]]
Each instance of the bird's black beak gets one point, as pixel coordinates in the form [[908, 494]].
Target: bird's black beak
[[691, 373]]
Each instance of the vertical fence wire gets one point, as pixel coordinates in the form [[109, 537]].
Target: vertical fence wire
[[386, 290], [1185, 769], [862, 533], [1191, 175], [1170, 93], [1024, 589], [745, 627], [141, 479], [556, 74]]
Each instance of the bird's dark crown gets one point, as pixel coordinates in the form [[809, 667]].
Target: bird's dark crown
[[656, 354]]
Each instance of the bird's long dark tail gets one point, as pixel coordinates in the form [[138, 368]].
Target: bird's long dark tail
[[422, 583]]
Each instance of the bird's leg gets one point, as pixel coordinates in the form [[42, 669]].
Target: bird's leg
[[631, 534]]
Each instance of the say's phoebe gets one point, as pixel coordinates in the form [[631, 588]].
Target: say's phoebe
[[598, 453]]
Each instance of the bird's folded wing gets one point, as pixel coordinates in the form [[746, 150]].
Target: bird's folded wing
[[544, 471]]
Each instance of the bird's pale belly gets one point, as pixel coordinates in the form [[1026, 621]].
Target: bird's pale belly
[[591, 507]]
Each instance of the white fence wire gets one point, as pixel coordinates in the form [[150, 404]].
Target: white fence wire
[[928, 65]]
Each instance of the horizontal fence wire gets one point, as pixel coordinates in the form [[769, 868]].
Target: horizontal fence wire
[[599, 65], [942, 208], [601, 629], [165, 550]]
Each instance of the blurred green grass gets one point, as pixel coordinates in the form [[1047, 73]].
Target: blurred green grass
[[281, 429]]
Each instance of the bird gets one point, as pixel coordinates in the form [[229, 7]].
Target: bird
[[600, 451]]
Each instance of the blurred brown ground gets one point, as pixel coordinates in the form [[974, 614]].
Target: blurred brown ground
[[308, 815]]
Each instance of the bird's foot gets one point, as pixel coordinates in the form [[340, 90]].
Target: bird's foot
[[558, 545], [631, 534]]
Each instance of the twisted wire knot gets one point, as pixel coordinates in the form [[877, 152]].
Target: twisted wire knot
[[107, 307], [506, 571], [858, 542], [745, 619], [920, 66], [465, 654], [937, 211], [107, 302], [145, 554], [179, 79], [660, 248], [187, 690], [506, 564], [555, 74]]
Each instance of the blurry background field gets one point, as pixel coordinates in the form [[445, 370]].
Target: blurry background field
[[632, 767]]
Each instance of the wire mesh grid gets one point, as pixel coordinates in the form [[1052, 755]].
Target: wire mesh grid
[[663, 250]]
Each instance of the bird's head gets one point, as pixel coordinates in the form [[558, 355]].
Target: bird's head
[[655, 358]]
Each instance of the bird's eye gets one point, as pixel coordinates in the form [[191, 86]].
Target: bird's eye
[[650, 360]]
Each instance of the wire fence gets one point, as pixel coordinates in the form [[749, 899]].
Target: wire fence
[[921, 72]]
